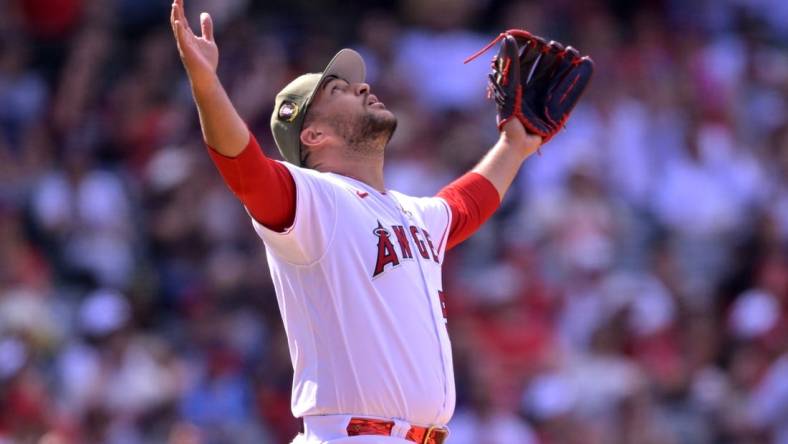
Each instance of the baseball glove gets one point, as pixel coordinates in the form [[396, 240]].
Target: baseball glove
[[536, 81]]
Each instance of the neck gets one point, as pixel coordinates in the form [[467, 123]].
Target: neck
[[364, 168]]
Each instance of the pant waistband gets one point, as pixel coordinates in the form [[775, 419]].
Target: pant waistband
[[328, 427]]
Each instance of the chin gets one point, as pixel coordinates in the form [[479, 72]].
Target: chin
[[390, 120], [386, 114], [381, 112]]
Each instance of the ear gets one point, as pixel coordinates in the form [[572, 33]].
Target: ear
[[313, 135]]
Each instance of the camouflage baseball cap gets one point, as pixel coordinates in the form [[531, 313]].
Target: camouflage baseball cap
[[293, 101]]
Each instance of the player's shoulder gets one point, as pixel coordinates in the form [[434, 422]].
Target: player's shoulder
[[433, 211], [312, 176], [421, 202]]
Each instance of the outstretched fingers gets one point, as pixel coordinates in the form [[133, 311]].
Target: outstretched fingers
[[180, 15], [174, 19], [206, 26], [180, 33], [177, 6]]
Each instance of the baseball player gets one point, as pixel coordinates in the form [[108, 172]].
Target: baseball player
[[356, 266]]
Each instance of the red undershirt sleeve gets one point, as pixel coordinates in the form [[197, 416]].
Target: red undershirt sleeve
[[472, 200], [263, 185]]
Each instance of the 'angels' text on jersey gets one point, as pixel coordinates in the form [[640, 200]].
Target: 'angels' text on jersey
[[387, 254]]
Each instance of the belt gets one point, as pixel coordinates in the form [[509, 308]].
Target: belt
[[420, 435]]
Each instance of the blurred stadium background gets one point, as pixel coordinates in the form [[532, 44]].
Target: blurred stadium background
[[632, 289]]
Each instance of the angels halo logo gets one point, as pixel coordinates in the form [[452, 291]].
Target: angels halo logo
[[288, 111]]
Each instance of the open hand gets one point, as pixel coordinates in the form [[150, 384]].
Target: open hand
[[200, 55]]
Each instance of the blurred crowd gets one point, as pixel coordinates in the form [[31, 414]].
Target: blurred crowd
[[632, 288]]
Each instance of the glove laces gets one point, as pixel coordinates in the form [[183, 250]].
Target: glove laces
[[512, 32]]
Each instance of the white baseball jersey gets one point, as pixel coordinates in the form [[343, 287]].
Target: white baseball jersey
[[358, 282]]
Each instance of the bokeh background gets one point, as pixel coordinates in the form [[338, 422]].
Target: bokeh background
[[632, 289]]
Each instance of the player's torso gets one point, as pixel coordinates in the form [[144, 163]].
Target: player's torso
[[375, 315]]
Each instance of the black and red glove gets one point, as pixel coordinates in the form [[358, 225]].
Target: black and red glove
[[536, 81]]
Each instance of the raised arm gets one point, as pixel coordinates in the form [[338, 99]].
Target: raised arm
[[222, 127], [475, 196], [264, 186], [501, 164]]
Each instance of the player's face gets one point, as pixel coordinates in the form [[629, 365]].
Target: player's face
[[355, 114]]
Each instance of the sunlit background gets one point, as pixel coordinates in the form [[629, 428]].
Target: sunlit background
[[632, 289]]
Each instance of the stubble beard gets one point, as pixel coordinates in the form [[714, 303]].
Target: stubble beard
[[368, 134]]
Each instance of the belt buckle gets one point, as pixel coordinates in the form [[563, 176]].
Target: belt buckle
[[444, 434]]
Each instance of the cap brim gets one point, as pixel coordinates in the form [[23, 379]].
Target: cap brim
[[347, 64]]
